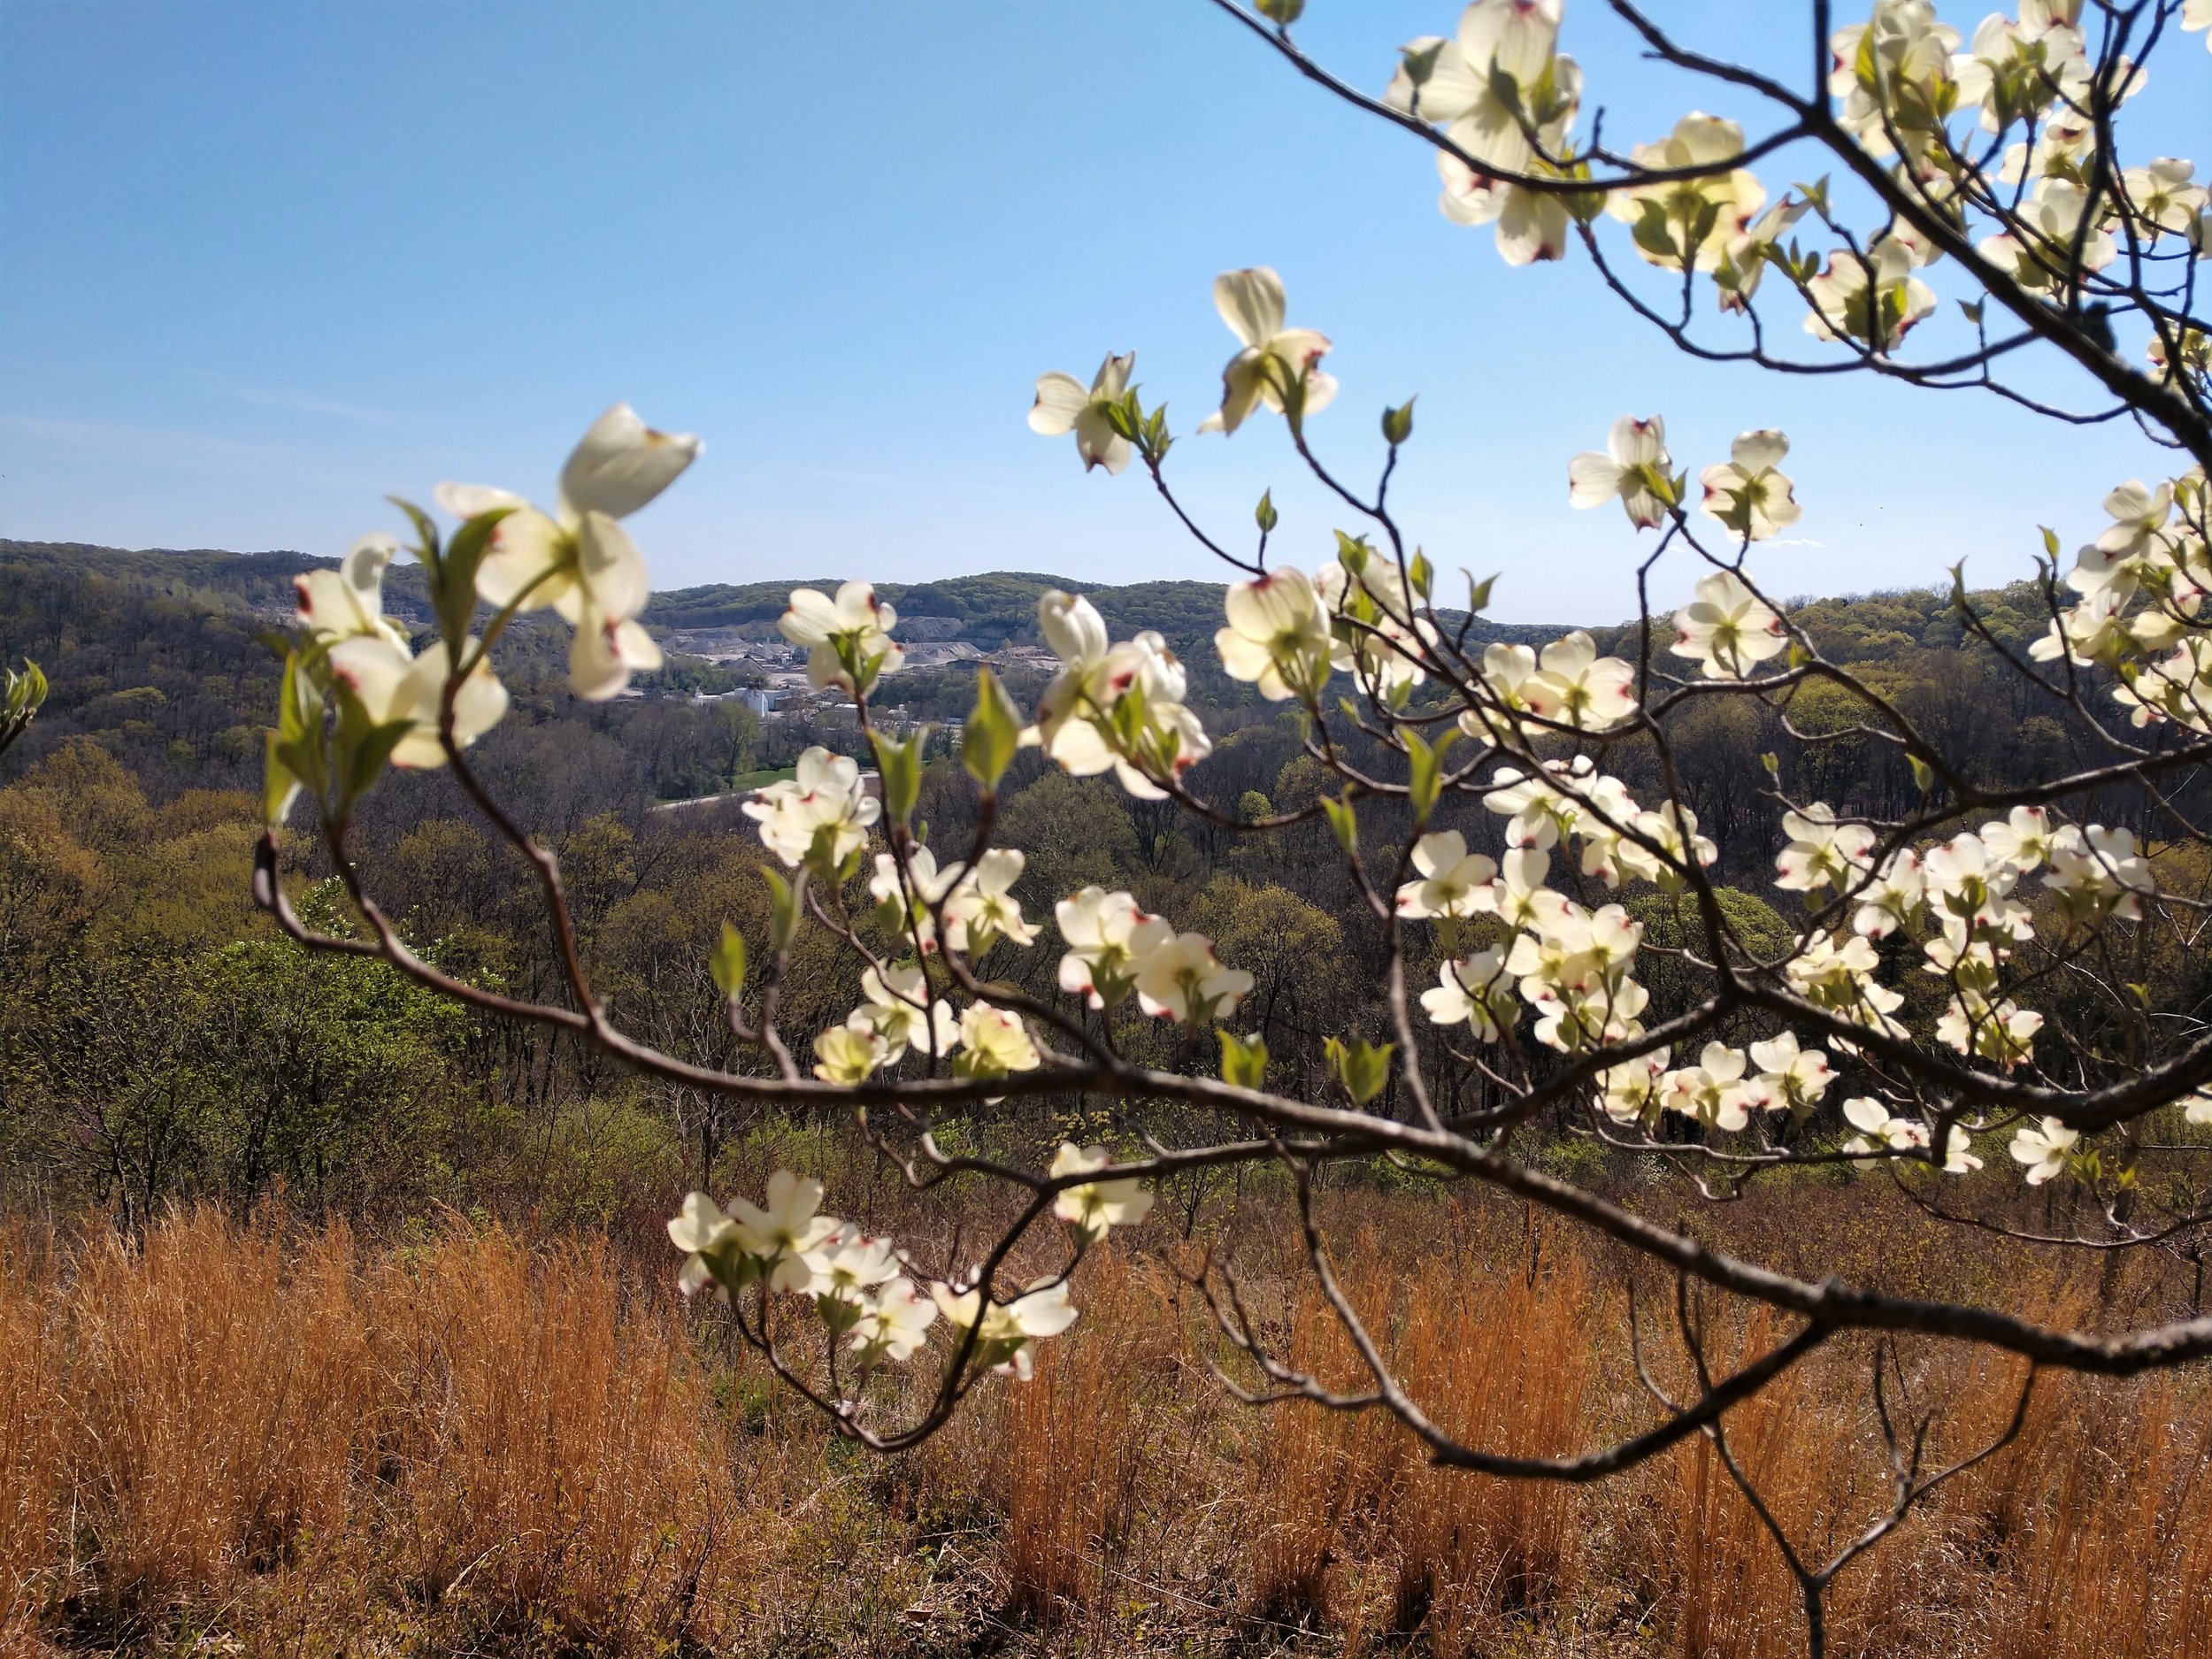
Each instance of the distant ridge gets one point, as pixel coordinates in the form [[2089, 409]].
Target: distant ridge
[[995, 606]]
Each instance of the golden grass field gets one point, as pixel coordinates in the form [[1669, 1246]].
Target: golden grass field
[[262, 1437]]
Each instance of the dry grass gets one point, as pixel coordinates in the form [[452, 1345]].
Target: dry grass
[[293, 1442]]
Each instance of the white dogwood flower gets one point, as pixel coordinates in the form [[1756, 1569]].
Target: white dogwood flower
[[1747, 493], [848, 639], [1107, 936], [1062, 405], [2044, 1149], [1277, 638], [1453, 881], [823, 802], [392, 685], [1181, 978], [1275, 362], [1727, 629], [1634, 470], [579, 559], [1094, 1208]]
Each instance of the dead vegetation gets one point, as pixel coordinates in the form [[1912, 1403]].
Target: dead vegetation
[[261, 1438]]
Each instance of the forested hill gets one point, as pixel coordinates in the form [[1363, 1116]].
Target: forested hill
[[152, 653], [995, 609]]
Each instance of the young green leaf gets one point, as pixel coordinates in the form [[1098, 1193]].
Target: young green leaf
[[993, 731], [727, 964]]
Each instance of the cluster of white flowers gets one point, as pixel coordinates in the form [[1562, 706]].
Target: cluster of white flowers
[[1960, 898], [862, 1286], [1571, 965], [579, 560], [1115, 951], [1116, 708], [1507, 100], [2142, 584], [900, 1012]]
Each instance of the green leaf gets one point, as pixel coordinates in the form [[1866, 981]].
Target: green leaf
[[1397, 424], [1243, 1060], [1477, 592], [901, 767], [1426, 768], [786, 908], [1421, 65], [1352, 551], [727, 964], [425, 530], [1343, 822], [1772, 762], [1363, 1067], [993, 731], [280, 785], [1422, 573], [1284, 13], [454, 585], [2050, 541], [1923, 774], [1265, 514]]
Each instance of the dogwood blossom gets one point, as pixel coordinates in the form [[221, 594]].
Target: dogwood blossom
[[1634, 469], [1575, 686], [1839, 976], [1094, 1208], [579, 559], [1747, 493], [1107, 936], [2099, 872], [2044, 1149], [893, 1324], [337, 604], [782, 1232], [700, 1230], [1006, 1333], [1790, 1078], [1374, 634], [1878, 1131], [1276, 361], [1712, 1091], [848, 1264], [982, 909], [1453, 881], [1474, 991], [1115, 708], [1727, 629], [1876, 302], [993, 1043], [850, 1053], [392, 685], [1500, 72], [1063, 406], [1689, 221], [1822, 850], [2165, 196], [1277, 638], [1630, 1092], [822, 803], [1181, 978], [1891, 76], [848, 639], [900, 1009], [2055, 244]]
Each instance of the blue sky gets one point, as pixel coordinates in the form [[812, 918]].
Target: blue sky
[[262, 262]]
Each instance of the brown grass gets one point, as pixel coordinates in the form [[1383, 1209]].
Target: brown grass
[[293, 1442]]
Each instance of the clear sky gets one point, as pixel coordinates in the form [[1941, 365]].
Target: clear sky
[[262, 262]]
